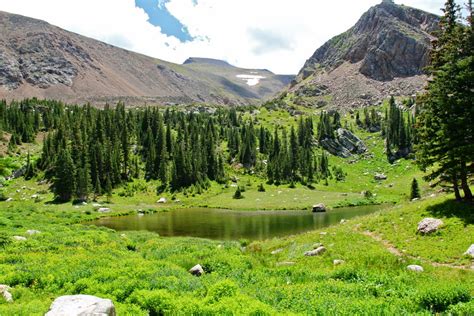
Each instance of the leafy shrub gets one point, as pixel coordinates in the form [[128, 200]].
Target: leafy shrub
[[439, 299], [156, 302], [220, 290], [4, 240], [261, 188], [462, 309]]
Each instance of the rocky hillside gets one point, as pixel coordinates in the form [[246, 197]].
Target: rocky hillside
[[383, 54], [41, 60]]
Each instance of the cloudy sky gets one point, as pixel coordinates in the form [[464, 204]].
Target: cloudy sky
[[274, 34]]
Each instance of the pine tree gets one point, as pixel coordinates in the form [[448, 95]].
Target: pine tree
[[415, 190], [63, 182], [446, 120]]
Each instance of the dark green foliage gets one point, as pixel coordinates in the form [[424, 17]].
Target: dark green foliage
[[4, 240], [415, 190], [109, 147], [261, 188], [64, 176], [238, 194], [446, 112], [439, 299], [398, 131]]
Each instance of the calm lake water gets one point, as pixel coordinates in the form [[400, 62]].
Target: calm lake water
[[233, 225]]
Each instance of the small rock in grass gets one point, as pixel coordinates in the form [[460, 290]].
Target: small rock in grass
[[32, 232], [277, 251], [380, 176], [315, 252], [104, 210], [197, 270], [323, 233], [317, 245], [162, 200], [4, 291], [81, 305], [470, 251], [429, 225], [342, 221], [9, 200], [338, 262], [415, 268], [19, 238]]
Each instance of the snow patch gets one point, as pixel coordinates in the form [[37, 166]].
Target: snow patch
[[252, 80]]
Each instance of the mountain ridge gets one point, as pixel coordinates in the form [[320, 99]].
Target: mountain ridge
[[41, 60]]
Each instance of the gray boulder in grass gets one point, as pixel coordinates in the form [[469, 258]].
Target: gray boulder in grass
[[429, 225], [81, 305]]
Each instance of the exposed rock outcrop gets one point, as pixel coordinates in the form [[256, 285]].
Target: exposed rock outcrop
[[344, 145]]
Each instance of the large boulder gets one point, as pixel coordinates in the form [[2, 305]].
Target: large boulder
[[470, 251], [197, 270], [429, 225], [4, 291], [319, 208], [81, 305], [316, 252]]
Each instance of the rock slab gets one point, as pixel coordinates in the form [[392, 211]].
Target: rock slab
[[81, 305]]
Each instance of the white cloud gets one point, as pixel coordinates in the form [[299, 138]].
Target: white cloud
[[274, 34]]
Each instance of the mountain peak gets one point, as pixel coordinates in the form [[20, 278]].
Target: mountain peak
[[389, 41], [384, 53]]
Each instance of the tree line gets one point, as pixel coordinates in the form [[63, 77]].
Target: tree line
[[87, 151]]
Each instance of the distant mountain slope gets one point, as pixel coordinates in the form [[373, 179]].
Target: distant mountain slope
[[41, 60], [383, 54]]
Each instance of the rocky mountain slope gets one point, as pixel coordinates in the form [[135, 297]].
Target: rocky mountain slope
[[41, 60], [383, 54]]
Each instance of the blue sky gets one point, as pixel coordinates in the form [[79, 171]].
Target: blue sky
[[160, 16]]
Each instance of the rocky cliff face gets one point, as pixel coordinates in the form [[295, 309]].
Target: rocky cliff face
[[41, 60], [390, 43]]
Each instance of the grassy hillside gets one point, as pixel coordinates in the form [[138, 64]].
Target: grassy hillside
[[144, 273]]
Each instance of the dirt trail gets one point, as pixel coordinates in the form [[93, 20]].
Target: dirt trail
[[393, 250]]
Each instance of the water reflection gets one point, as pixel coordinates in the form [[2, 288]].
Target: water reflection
[[232, 225]]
